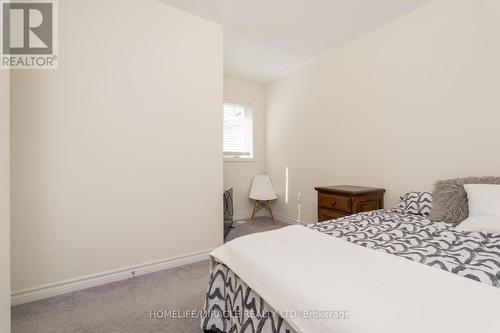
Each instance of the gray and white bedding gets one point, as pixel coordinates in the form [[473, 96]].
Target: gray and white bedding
[[474, 255], [231, 305]]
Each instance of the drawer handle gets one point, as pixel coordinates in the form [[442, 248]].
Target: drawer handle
[[333, 203]]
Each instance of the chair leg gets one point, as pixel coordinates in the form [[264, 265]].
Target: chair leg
[[271, 211], [253, 213]]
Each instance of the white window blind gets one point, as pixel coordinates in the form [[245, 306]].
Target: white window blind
[[238, 130]]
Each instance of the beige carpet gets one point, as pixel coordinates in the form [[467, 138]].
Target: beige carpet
[[125, 306]]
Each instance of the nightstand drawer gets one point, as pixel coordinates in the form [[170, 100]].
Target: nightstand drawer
[[344, 200], [367, 206], [326, 215], [335, 202]]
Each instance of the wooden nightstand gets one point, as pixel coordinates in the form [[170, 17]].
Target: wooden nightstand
[[343, 200]]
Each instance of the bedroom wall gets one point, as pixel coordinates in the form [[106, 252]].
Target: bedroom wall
[[4, 203], [239, 174], [117, 155], [410, 103]]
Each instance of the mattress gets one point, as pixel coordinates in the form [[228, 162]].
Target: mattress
[[231, 305]]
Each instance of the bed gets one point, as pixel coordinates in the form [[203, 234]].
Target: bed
[[387, 270]]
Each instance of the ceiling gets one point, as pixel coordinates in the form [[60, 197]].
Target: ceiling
[[265, 39]]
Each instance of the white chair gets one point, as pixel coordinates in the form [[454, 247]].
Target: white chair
[[262, 192]]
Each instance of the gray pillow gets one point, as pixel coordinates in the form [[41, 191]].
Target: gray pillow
[[449, 200]]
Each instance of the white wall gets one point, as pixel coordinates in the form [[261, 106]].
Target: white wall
[[239, 174], [4, 204], [117, 155], [410, 103]]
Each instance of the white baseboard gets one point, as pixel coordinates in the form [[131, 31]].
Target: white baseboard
[[67, 286], [71, 285]]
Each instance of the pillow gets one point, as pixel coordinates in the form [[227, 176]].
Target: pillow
[[417, 203], [449, 200], [486, 224], [484, 199]]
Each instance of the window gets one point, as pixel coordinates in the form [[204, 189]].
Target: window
[[238, 131]]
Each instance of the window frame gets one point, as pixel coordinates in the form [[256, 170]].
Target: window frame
[[236, 157]]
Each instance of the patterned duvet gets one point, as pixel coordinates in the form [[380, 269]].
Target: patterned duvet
[[474, 255]]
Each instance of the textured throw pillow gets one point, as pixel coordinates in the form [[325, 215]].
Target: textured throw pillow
[[417, 203], [450, 202]]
